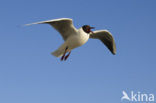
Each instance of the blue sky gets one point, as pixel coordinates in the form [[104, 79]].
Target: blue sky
[[30, 74]]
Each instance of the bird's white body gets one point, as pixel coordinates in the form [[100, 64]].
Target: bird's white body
[[72, 42], [77, 40]]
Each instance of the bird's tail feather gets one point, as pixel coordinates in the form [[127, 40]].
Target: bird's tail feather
[[57, 53], [60, 51]]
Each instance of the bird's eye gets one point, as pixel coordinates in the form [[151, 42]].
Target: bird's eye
[[88, 28]]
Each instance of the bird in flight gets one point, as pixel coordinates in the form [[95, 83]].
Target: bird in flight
[[74, 38]]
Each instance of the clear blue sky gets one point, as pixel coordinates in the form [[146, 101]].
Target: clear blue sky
[[30, 74]]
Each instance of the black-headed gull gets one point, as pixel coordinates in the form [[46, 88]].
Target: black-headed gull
[[77, 37]]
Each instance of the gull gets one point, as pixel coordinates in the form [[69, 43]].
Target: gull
[[74, 38]]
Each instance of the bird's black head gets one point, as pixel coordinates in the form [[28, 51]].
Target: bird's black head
[[87, 28]]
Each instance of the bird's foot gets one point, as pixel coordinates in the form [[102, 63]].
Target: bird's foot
[[62, 57], [65, 58]]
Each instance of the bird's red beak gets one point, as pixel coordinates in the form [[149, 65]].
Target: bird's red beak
[[92, 27], [91, 30]]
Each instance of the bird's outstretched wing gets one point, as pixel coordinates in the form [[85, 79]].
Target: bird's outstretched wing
[[63, 25], [106, 37]]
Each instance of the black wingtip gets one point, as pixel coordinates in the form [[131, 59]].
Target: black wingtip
[[114, 53]]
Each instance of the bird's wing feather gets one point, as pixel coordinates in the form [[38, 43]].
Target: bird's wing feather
[[63, 25], [106, 37]]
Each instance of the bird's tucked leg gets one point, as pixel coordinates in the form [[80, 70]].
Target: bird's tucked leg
[[67, 55], [62, 58]]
